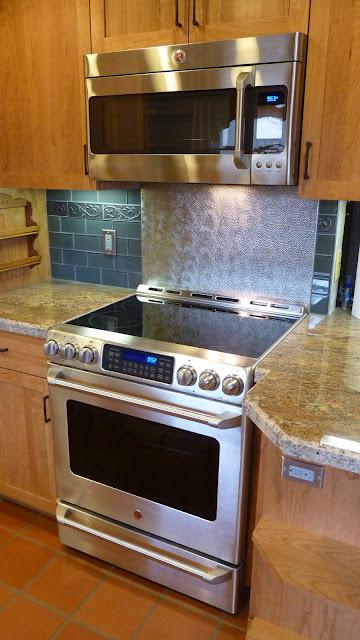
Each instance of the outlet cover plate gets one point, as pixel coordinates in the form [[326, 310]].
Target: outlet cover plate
[[109, 242], [302, 471]]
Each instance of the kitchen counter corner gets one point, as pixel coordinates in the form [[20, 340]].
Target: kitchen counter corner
[[309, 387], [32, 309]]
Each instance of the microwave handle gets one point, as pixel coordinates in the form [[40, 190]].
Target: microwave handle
[[244, 79], [225, 420]]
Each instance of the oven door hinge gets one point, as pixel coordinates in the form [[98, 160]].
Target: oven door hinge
[[46, 411]]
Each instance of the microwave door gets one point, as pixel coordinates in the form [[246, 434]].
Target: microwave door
[[184, 126]]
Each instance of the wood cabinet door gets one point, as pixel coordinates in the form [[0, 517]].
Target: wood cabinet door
[[226, 19], [330, 154], [27, 467], [133, 24], [42, 106]]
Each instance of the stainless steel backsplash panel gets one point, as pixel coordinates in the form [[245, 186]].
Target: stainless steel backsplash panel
[[229, 239]]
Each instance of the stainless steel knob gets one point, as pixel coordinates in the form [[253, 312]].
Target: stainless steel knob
[[87, 355], [232, 386], [209, 380], [69, 351], [186, 376], [51, 348]]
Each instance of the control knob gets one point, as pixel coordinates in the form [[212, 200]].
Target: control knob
[[69, 351], [87, 355], [232, 386], [51, 348], [186, 376], [209, 380]]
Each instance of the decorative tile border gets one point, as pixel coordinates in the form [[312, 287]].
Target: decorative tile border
[[94, 211]]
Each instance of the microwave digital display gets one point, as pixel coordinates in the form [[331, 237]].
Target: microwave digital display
[[266, 119]]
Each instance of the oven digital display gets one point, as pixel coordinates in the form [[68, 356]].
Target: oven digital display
[[139, 356]]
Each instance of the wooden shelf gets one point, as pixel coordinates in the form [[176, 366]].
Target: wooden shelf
[[263, 630], [20, 233], [31, 261], [328, 568]]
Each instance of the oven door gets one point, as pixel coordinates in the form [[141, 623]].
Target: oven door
[[151, 458], [174, 126]]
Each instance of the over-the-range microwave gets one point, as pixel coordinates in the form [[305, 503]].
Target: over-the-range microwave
[[225, 112]]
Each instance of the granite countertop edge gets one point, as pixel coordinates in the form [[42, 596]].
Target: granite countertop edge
[[22, 328]]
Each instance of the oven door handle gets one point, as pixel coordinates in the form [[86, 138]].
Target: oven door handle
[[225, 420], [214, 575], [244, 79]]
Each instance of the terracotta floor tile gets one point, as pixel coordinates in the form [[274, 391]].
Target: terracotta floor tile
[[20, 560], [74, 631], [5, 536], [64, 583], [230, 633], [90, 560], [14, 517], [117, 608], [25, 620], [240, 620], [5, 595], [201, 607], [172, 622], [45, 531]]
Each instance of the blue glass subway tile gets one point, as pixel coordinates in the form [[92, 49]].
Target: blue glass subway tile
[[57, 208], [128, 263], [54, 223], [87, 243], [61, 240], [113, 196], [57, 194], [75, 257], [134, 280], [73, 225], [63, 271], [134, 196], [84, 196], [95, 227], [114, 278], [128, 229], [84, 274], [134, 248], [101, 260], [56, 255]]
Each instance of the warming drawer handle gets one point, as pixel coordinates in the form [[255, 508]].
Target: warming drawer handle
[[225, 420], [214, 576], [244, 79]]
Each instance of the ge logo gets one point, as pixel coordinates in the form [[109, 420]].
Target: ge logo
[[179, 56]]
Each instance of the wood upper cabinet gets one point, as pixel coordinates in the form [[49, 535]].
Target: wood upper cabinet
[[42, 106], [132, 24], [331, 125], [27, 468], [226, 19]]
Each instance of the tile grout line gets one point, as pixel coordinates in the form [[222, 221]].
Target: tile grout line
[[147, 617]]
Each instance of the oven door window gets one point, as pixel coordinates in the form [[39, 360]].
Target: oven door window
[[184, 122], [164, 464]]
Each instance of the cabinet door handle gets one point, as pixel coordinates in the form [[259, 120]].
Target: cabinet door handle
[[45, 406], [3, 349], [177, 21], [306, 167], [86, 166], [194, 20]]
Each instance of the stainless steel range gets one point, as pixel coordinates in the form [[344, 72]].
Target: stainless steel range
[[152, 452]]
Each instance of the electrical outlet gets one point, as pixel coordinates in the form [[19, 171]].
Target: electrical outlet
[[301, 471], [109, 242]]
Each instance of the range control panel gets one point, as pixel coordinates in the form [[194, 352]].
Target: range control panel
[[141, 364]]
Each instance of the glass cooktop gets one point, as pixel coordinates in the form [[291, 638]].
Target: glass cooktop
[[185, 324]]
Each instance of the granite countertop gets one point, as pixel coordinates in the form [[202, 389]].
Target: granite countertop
[[309, 387], [32, 309]]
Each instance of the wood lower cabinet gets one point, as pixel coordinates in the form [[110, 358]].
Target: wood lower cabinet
[[27, 467], [132, 24], [330, 158], [226, 19], [42, 107]]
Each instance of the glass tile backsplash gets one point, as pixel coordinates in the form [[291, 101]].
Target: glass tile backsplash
[[76, 220]]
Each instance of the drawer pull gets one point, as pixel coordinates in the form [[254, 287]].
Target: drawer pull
[[177, 21], [3, 349], [306, 168], [45, 405]]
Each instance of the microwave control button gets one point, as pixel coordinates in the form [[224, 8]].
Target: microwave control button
[[209, 380], [269, 164], [278, 164], [51, 348], [232, 386], [186, 376], [259, 164], [87, 355]]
